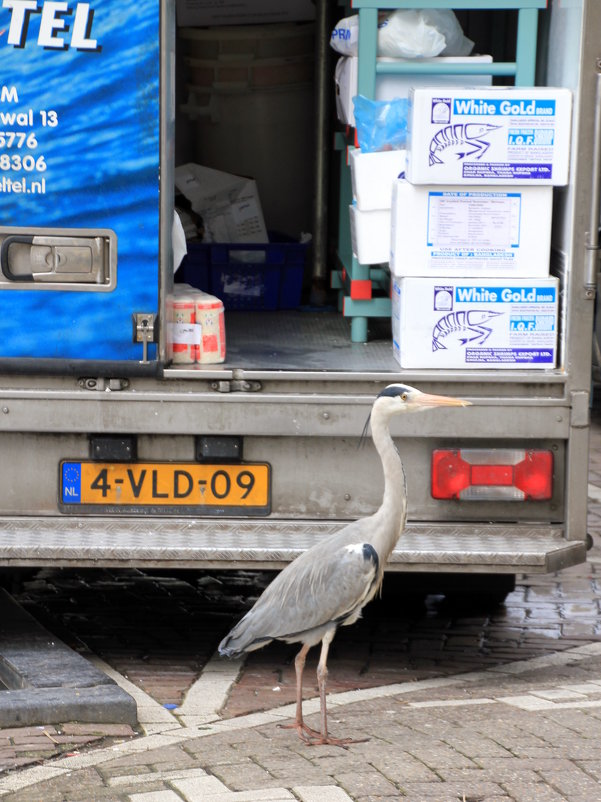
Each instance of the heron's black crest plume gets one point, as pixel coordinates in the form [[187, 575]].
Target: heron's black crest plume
[[393, 390], [363, 437]]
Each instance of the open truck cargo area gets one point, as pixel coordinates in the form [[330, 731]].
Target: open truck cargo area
[[116, 452]]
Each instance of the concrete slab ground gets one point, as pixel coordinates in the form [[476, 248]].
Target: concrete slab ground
[[47, 682]]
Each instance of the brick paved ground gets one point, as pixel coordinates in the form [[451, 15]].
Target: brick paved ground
[[529, 732], [23, 746], [522, 724]]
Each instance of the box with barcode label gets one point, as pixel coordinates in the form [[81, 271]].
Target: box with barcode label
[[485, 324], [489, 135], [470, 230]]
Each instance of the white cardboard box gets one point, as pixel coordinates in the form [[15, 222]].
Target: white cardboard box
[[504, 135], [470, 230], [389, 87], [370, 235], [373, 176], [229, 204], [460, 323], [242, 12]]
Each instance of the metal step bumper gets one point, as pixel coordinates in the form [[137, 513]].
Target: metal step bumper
[[271, 544]]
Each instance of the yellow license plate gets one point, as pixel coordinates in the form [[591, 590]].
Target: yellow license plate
[[198, 488]]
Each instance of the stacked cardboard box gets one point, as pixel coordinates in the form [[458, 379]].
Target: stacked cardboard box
[[471, 228]]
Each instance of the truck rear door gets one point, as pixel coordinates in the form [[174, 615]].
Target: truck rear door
[[79, 180]]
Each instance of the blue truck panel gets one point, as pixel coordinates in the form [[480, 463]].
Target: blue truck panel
[[79, 149]]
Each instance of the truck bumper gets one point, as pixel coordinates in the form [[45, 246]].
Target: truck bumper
[[271, 544]]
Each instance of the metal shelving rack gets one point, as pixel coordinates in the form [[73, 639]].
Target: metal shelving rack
[[359, 284]]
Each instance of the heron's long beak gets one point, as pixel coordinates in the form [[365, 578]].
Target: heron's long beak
[[427, 400]]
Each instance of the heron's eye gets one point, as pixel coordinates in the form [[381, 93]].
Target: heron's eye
[[404, 397]]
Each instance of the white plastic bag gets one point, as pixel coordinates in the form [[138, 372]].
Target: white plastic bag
[[345, 35], [445, 21], [180, 247], [407, 33]]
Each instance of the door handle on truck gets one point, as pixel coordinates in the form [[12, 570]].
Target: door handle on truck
[[4, 263], [55, 259]]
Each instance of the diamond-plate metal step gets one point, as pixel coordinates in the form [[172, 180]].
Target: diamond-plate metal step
[[232, 543]]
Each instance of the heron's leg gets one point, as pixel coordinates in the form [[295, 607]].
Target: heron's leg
[[299, 725], [322, 676], [299, 667]]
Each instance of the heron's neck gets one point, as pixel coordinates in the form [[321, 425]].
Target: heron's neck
[[393, 510]]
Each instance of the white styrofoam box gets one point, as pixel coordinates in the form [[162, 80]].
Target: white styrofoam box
[[470, 230], [461, 323], [372, 177], [489, 135], [389, 87], [370, 235], [242, 12]]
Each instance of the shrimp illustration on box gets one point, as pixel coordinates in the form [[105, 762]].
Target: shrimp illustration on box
[[468, 326], [460, 140]]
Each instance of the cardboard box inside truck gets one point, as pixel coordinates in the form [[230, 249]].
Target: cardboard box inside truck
[[489, 135], [471, 230], [463, 323]]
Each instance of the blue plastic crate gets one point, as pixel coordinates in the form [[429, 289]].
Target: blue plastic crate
[[248, 276], [194, 269]]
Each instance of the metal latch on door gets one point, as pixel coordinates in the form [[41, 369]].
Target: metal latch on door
[[59, 259]]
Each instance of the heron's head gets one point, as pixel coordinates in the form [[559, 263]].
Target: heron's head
[[397, 398]]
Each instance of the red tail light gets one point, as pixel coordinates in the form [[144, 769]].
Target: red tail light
[[474, 474]]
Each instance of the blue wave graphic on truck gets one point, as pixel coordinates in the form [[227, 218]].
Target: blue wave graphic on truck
[[88, 90]]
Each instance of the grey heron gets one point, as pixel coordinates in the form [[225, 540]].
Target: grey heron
[[328, 585]]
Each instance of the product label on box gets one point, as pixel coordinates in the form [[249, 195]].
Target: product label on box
[[457, 220], [504, 107], [523, 315], [507, 171], [490, 324], [515, 356], [184, 333], [529, 138], [510, 135], [505, 295]]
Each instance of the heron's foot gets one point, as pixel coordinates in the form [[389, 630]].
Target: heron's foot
[[305, 732], [315, 738], [329, 740]]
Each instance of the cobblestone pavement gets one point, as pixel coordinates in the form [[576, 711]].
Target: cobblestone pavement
[[457, 704]]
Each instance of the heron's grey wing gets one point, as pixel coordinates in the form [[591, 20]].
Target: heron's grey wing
[[327, 585], [330, 591]]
